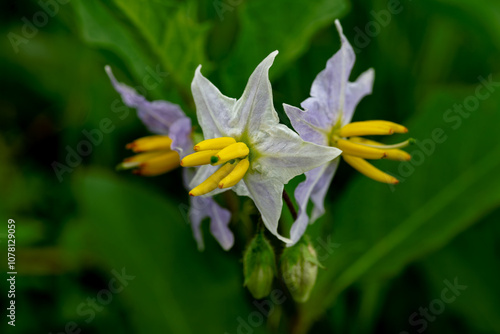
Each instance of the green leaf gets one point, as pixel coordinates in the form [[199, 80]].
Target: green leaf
[[149, 37], [92, 16], [469, 258], [172, 32], [447, 187], [281, 25], [134, 228], [483, 14]]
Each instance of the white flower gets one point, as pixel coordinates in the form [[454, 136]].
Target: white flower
[[258, 154]]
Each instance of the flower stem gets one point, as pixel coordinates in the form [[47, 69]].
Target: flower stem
[[289, 203]]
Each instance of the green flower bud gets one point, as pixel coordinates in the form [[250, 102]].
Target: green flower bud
[[299, 266], [259, 266]]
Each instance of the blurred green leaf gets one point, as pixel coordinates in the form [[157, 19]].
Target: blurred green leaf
[[135, 228], [469, 258], [153, 37], [116, 37], [281, 25], [446, 188], [172, 32], [483, 13]]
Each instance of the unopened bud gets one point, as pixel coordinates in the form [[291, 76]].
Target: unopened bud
[[299, 266], [259, 266]]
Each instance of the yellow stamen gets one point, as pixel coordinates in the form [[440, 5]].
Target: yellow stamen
[[163, 163], [136, 160], [398, 155], [359, 150], [150, 143], [198, 158], [365, 129], [212, 181], [369, 170], [396, 127], [391, 153], [214, 144], [236, 175], [233, 151]]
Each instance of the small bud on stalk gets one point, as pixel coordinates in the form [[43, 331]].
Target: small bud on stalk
[[299, 267], [259, 266]]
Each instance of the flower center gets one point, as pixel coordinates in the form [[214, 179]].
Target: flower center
[[355, 148], [225, 151]]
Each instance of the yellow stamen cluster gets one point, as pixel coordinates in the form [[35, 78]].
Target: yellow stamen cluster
[[156, 156], [225, 151], [356, 149]]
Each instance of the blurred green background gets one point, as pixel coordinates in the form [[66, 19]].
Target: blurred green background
[[389, 252]]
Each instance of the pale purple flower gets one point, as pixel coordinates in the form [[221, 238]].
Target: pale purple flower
[[331, 105], [168, 119]]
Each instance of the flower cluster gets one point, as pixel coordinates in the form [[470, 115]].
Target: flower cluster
[[245, 148]]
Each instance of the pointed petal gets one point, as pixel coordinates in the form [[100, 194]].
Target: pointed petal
[[158, 116], [312, 126], [314, 187], [195, 219], [267, 196], [302, 196], [284, 155], [355, 92], [219, 221], [214, 110], [203, 207], [321, 188], [328, 91], [255, 107]]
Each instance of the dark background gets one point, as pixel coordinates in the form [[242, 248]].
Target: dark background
[[392, 250]]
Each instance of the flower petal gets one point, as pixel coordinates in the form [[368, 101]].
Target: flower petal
[[158, 116], [267, 195], [328, 91], [355, 92], [195, 218], [321, 188], [284, 155], [213, 109], [180, 133], [255, 109], [311, 125], [314, 187], [202, 207]]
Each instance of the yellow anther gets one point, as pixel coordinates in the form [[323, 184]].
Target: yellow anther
[[198, 158], [398, 155], [369, 170], [214, 144], [160, 164], [136, 160], [233, 151], [212, 181], [365, 129], [391, 154], [361, 151], [150, 143], [394, 126], [236, 175]]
